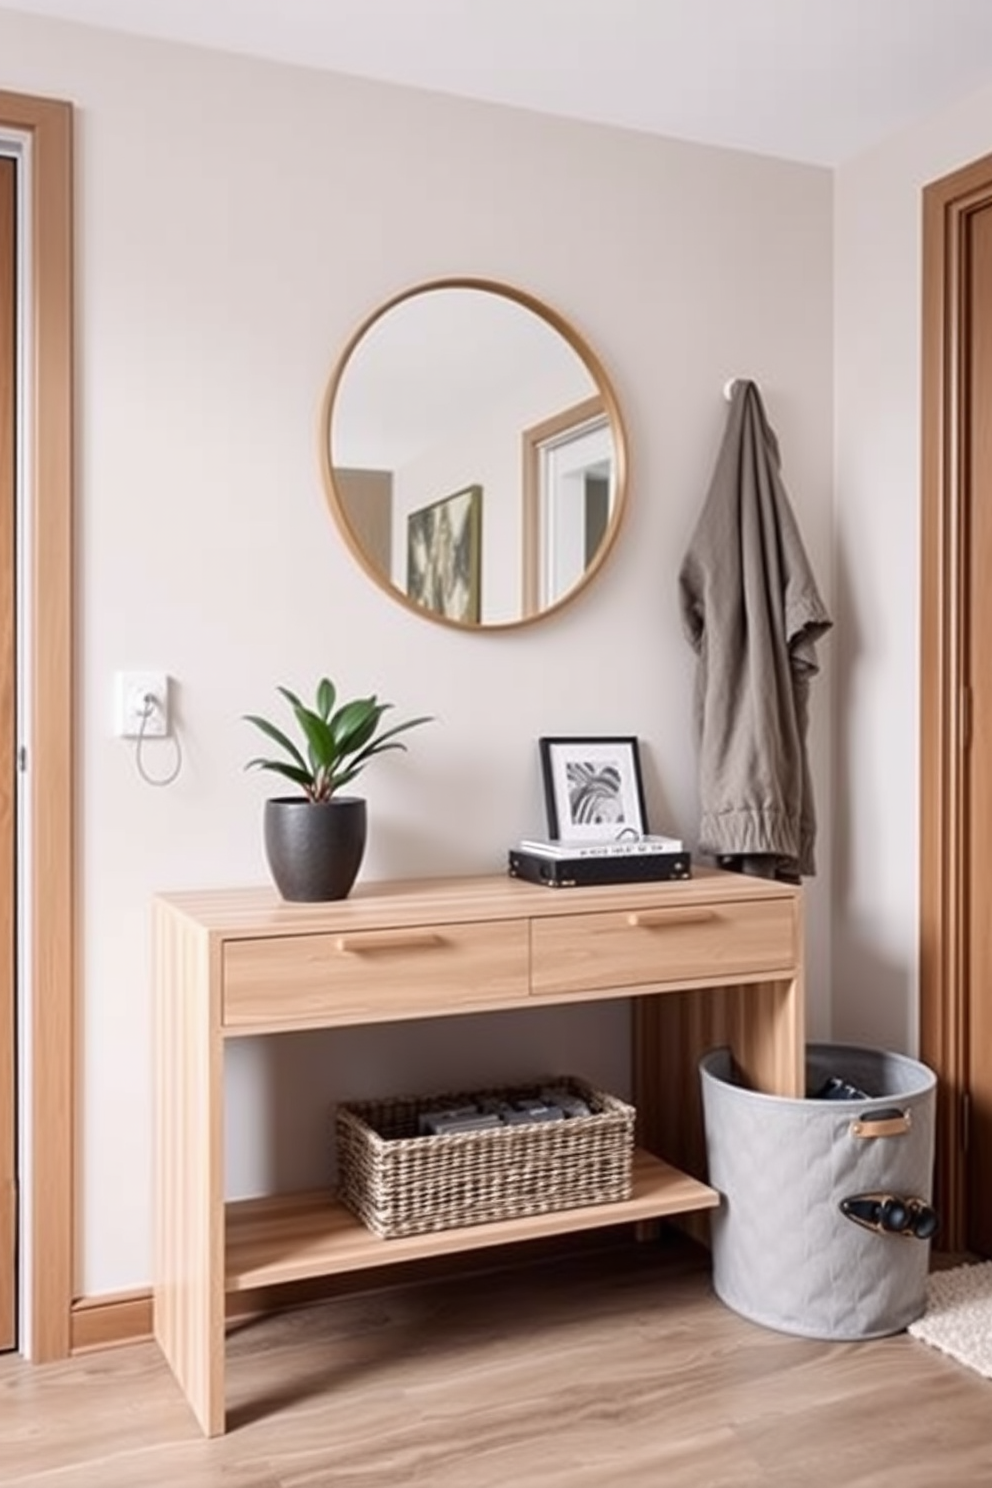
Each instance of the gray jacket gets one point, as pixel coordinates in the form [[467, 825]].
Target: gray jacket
[[752, 613]]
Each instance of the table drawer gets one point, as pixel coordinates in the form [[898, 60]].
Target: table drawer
[[658, 944], [373, 975]]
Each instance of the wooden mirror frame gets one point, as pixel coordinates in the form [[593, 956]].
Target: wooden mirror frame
[[603, 392]]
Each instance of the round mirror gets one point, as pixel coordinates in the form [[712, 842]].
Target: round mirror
[[473, 454]]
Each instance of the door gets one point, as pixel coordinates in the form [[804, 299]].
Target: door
[[956, 696], [978, 761], [8, 362]]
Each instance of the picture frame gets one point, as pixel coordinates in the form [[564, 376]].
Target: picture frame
[[593, 788], [444, 556]]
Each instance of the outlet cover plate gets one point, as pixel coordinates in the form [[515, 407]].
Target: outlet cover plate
[[133, 689]]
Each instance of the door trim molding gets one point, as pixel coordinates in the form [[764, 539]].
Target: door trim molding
[[947, 204], [50, 929], [8, 747]]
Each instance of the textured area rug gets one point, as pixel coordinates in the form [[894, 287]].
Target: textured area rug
[[958, 1316]]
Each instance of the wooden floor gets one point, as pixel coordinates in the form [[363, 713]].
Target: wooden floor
[[607, 1369]]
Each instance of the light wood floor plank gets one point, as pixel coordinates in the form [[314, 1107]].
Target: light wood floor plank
[[613, 1368]]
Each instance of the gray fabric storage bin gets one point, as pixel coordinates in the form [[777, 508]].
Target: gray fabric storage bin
[[784, 1253]]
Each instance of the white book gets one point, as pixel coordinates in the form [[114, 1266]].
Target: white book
[[613, 847]]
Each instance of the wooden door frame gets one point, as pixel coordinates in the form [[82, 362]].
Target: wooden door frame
[[49, 929], [8, 744], [944, 699]]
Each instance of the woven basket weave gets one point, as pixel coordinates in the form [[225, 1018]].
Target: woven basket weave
[[399, 1183]]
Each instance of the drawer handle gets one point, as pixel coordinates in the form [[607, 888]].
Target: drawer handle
[[386, 940], [653, 919]]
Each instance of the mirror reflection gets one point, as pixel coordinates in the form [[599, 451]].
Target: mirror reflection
[[473, 453]]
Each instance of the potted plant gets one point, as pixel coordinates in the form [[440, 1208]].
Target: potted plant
[[315, 841]]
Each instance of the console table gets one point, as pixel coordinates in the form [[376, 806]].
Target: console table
[[713, 959]]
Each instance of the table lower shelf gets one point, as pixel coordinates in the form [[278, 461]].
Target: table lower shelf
[[292, 1237]]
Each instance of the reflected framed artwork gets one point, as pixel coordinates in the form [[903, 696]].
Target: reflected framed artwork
[[593, 788], [444, 555]]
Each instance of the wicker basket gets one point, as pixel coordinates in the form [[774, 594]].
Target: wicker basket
[[399, 1183]]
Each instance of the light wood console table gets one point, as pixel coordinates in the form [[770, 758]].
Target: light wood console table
[[714, 959]]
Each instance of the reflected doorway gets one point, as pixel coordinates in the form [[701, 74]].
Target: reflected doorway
[[569, 483]]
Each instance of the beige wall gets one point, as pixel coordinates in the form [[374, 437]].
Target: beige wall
[[876, 655], [235, 222]]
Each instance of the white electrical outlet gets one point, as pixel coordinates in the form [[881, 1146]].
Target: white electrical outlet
[[142, 705]]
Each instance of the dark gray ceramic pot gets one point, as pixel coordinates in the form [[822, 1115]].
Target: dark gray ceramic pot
[[315, 849]]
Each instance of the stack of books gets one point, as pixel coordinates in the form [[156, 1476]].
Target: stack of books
[[559, 864]]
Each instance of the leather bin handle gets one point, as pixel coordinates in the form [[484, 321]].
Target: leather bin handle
[[883, 1124]]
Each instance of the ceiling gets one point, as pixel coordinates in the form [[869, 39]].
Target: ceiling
[[810, 80]]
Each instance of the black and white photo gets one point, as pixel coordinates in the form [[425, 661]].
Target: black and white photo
[[593, 789]]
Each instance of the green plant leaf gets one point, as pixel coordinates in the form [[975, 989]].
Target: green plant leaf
[[290, 697], [291, 772], [342, 777], [326, 695], [377, 746], [320, 739], [399, 728], [278, 737], [354, 724]]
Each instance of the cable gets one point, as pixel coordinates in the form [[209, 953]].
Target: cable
[[148, 705]]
